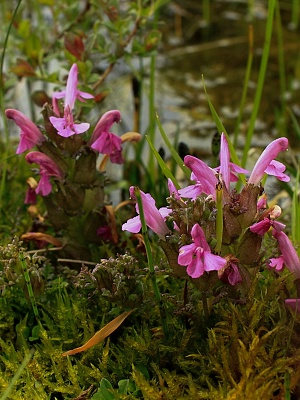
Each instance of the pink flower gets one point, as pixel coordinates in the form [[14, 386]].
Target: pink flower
[[263, 226], [106, 142], [267, 220], [47, 168], [277, 263], [205, 177], [30, 135], [197, 256], [65, 126], [230, 273], [262, 202], [267, 164], [289, 254], [227, 169], [71, 93], [155, 219], [294, 304]]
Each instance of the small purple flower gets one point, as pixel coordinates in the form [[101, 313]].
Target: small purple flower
[[289, 254], [65, 126], [197, 256], [71, 93], [277, 263], [267, 164], [30, 135], [203, 175], [227, 169], [294, 304], [230, 273], [47, 168], [267, 220], [155, 218], [206, 177], [263, 226], [106, 142]]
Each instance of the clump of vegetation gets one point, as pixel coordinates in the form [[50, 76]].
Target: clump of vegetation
[[195, 298]]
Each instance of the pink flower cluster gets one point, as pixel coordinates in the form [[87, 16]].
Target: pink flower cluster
[[102, 140], [197, 256]]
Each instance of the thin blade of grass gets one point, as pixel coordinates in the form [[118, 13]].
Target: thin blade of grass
[[221, 128], [219, 218], [246, 85], [173, 152], [168, 174], [17, 375], [29, 285], [295, 123], [296, 213], [150, 261], [261, 79]]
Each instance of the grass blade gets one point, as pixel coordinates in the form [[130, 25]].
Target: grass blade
[[168, 174], [173, 152]]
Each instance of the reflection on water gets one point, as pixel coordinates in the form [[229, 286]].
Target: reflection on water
[[219, 53]]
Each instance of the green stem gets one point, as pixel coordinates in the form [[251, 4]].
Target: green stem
[[150, 261], [219, 218], [246, 85], [29, 285], [261, 79], [2, 105], [17, 375], [205, 305], [152, 124], [281, 64]]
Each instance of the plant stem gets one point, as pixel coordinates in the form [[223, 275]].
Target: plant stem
[[2, 106], [261, 79], [17, 375], [219, 219], [246, 84], [150, 261], [29, 285]]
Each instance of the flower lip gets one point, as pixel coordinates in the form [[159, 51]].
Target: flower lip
[[197, 256]]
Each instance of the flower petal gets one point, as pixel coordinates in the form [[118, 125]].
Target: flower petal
[[196, 268], [186, 254], [133, 225], [213, 262], [267, 156]]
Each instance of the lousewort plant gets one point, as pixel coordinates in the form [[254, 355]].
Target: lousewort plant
[[70, 180], [211, 234], [216, 239]]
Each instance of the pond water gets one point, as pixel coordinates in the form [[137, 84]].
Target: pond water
[[218, 51]]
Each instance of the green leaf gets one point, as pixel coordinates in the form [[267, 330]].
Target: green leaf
[[174, 153], [105, 392], [123, 386], [162, 164]]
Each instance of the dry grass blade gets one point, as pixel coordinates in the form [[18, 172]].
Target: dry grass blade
[[101, 335], [41, 236]]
